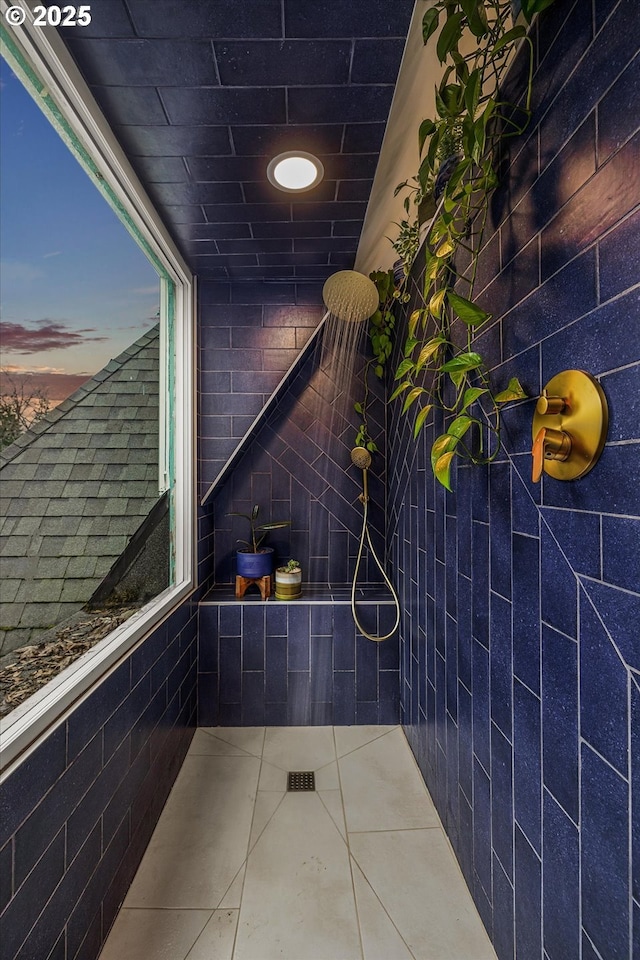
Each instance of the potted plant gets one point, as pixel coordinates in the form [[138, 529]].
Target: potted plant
[[289, 581], [253, 560]]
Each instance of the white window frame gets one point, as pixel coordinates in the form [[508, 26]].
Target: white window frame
[[78, 119]]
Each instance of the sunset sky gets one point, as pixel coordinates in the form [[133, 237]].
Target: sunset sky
[[75, 290]]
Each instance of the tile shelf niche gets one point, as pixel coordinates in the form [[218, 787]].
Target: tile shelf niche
[[312, 593]]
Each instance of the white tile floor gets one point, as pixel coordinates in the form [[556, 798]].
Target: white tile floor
[[239, 869]]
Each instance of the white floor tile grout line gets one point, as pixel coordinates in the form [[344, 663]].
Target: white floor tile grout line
[[382, 906], [345, 839]]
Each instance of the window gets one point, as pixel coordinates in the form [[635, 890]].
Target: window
[[43, 65]]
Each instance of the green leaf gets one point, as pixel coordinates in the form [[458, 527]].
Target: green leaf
[[379, 371], [436, 302], [410, 345], [530, 7], [413, 322], [423, 413], [411, 397], [449, 36], [255, 511], [245, 516], [470, 396], [442, 469], [459, 426], [358, 407], [403, 368], [426, 129], [430, 23], [429, 350], [275, 525], [399, 389], [463, 362], [509, 37], [476, 15], [457, 376], [371, 446], [445, 442], [514, 391], [466, 310], [445, 249]]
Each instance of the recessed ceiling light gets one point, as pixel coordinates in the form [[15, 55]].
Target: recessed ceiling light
[[295, 171]]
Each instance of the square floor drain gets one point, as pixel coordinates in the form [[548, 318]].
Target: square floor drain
[[301, 780]]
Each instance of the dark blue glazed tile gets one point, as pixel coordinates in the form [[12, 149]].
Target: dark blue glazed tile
[[347, 104], [344, 639], [579, 537], [133, 62], [359, 138], [560, 719], [282, 63], [319, 20], [603, 691], [635, 786], [605, 856], [156, 18], [622, 390], [620, 613], [87, 719], [207, 699], [564, 297], [611, 50], [275, 714], [619, 258], [525, 496], [528, 900], [568, 171], [367, 712], [501, 799], [464, 633], [376, 61], [366, 669], [321, 669], [6, 874], [588, 949], [597, 206], [635, 945], [124, 795], [230, 670], [482, 827], [501, 663], [526, 610], [299, 702], [120, 723], [559, 605], [527, 764], [230, 714], [130, 105], [23, 911], [344, 697], [149, 140], [465, 741], [83, 819], [253, 637], [609, 488], [561, 897], [480, 581], [21, 792], [481, 705], [143, 659], [616, 121], [503, 911], [620, 560], [253, 699]]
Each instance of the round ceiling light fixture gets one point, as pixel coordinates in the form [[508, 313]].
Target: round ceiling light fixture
[[295, 171]]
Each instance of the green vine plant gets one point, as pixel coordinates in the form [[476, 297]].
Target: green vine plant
[[473, 121], [380, 331]]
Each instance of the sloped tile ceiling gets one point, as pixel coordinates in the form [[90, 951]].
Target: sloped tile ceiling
[[203, 93]]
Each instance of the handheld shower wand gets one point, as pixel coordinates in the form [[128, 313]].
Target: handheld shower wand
[[360, 457]]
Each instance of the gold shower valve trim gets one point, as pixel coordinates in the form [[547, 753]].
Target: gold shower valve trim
[[569, 426]]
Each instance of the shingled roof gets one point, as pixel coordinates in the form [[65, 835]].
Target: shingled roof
[[75, 488]]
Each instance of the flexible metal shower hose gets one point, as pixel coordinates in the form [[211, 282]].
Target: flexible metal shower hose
[[365, 532]]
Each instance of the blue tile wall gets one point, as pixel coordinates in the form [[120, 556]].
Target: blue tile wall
[[77, 813], [295, 664], [520, 655], [296, 463]]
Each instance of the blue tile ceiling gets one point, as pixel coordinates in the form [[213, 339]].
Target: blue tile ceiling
[[203, 93]]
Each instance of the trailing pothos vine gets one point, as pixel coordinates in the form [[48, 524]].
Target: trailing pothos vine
[[380, 329], [436, 372]]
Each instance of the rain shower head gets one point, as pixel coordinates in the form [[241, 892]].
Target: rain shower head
[[361, 458], [350, 296]]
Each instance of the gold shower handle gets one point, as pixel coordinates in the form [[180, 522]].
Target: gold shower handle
[[549, 444], [569, 427]]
